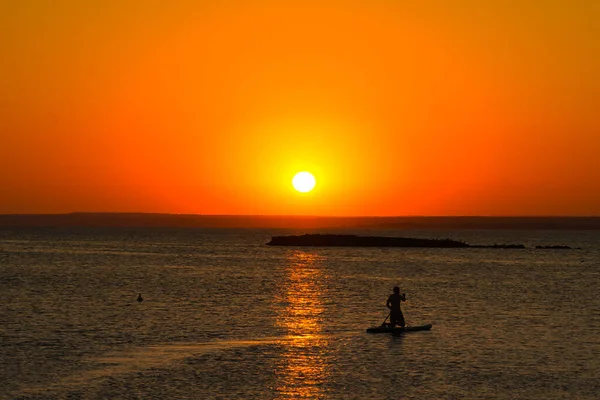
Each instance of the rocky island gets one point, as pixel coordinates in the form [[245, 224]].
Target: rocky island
[[330, 240]]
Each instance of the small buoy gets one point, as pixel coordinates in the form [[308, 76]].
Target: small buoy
[[140, 298]]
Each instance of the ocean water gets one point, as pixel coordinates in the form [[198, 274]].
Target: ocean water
[[226, 317]]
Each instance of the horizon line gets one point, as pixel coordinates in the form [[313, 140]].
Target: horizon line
[[289, 215]]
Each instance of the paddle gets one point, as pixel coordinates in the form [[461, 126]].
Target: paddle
[[383, 323]]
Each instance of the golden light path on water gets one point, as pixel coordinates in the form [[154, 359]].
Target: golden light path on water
[[303, 369]]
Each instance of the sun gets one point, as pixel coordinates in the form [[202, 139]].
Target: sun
[[304, 182]]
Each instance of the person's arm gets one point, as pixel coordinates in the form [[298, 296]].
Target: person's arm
[[403, 297], [388, 304]]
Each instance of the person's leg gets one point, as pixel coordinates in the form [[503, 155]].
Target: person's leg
[[394, 319]]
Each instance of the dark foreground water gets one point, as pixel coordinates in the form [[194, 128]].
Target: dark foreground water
[[226, 317]]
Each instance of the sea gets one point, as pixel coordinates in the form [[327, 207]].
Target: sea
[[224, 316]]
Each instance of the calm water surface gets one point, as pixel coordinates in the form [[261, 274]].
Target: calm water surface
[[226, 317]]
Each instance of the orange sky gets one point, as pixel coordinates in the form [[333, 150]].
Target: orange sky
[[398, 107]]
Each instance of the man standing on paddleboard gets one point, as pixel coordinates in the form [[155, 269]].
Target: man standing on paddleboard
[[393, 303]]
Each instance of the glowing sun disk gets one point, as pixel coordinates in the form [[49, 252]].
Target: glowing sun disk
[[304, 182]]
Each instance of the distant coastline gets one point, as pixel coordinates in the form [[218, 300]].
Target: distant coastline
[[328, 240], [294, 222], [337, 240]]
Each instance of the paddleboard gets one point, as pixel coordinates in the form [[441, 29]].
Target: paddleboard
[[397, 329]]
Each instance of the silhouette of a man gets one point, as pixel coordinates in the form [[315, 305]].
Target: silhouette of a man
[[393, 303]]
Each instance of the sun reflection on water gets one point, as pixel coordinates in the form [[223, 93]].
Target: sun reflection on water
[[303, 367]]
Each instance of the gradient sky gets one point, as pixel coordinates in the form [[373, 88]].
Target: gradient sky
[[398, 107]]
